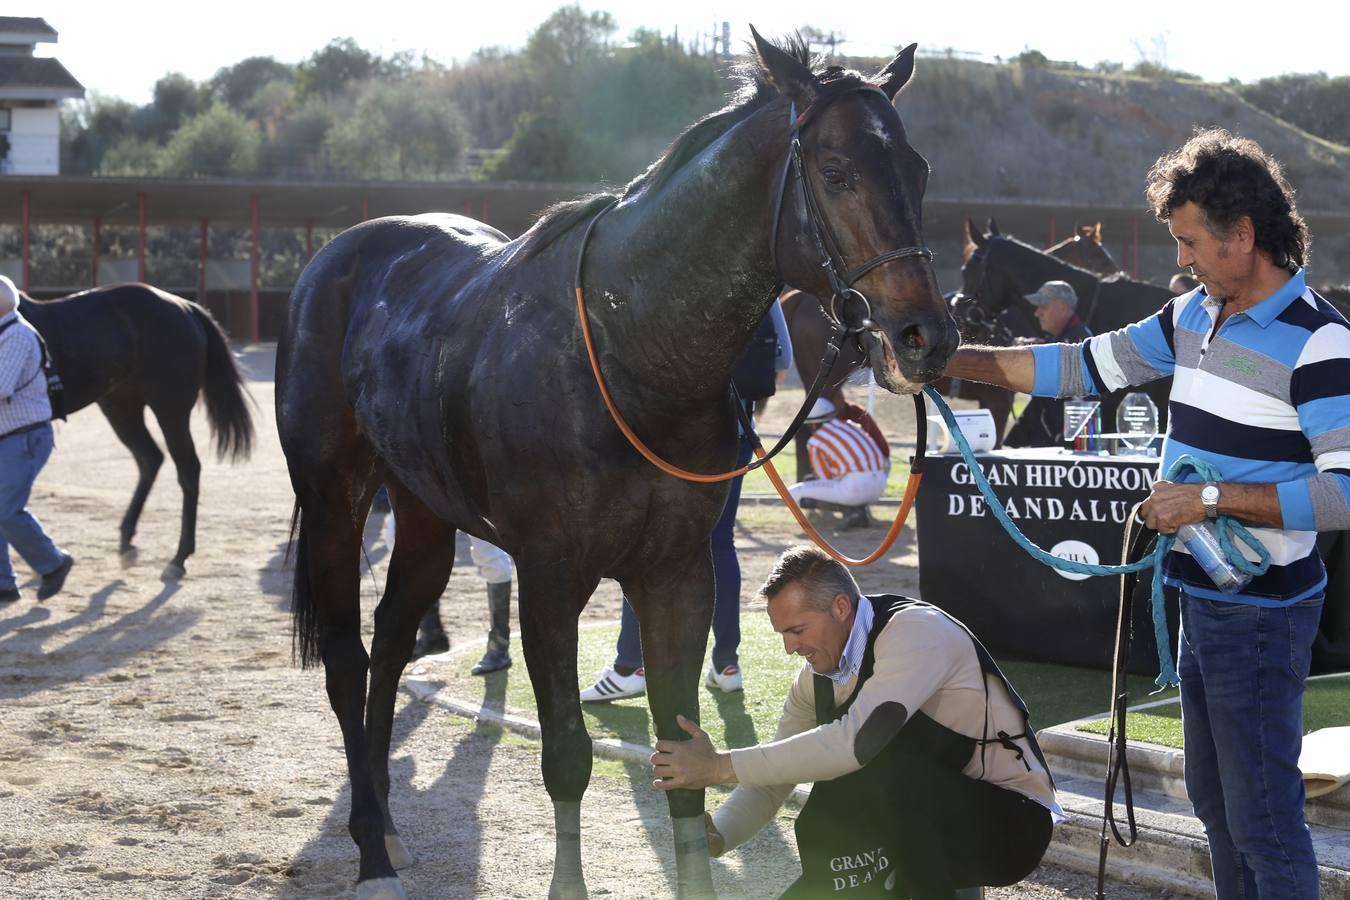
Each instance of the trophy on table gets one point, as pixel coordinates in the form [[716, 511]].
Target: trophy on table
[[1082, 425], [1136, 425]]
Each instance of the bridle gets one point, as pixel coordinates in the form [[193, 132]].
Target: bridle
[[841, 280]]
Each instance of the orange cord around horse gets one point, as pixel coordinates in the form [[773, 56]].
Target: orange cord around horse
[[901, 515]]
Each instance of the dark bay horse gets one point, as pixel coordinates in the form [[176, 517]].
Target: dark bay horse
[[978, 326], [435, 356], [1002, 271], [129, 346]]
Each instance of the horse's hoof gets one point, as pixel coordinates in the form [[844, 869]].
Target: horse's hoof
[[381, 889], [400, 857], [127, 555], [173, 572]]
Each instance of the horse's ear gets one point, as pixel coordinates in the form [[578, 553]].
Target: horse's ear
[[789, 76], [897, 74], [976, 238], [993, 228], [1097, 233]]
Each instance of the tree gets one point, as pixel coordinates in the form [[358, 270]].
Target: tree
[[177, 98], [1314, 102], [332, 70], [216, 142], [568, 38], [91, 126], [398, 130], [298, 146], [131, 156], [237, 85]]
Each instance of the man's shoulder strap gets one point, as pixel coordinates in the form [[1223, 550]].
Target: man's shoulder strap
[[884, 606], [5, 326]]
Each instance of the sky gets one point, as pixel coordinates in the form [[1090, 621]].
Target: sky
[[122, 49]]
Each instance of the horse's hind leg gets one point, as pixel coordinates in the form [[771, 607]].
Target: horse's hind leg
[[419, 568], [673, 599], [551, 597], [175, 423], [125, 412], [330, 551]]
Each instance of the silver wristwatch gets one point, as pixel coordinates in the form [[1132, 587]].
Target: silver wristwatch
[[1209, 495]]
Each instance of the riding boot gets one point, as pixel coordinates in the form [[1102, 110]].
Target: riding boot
[[431, 636], [498, 655]]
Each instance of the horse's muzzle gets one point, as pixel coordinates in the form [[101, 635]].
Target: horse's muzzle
[[918, 355]]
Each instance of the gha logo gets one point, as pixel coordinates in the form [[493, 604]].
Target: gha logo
[[1076, 551], [859, 869]]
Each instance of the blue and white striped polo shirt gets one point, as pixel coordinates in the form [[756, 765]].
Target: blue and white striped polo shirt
[[1266, 399]]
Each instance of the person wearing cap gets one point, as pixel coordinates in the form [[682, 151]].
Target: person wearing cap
[[850, 457], [25, 444], [1041, 424], [1056, 308], [926, 774]]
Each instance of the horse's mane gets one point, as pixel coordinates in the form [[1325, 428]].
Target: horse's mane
[[1068, 265], [754, 92]]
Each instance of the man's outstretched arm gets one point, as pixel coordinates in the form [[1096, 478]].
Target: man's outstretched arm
[[1009, 367]]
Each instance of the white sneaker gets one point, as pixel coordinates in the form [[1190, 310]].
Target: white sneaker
[[610, 685], [729, 679]]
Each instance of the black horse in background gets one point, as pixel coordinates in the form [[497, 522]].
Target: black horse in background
[[434, 356], [1002, 270], [131, 346]]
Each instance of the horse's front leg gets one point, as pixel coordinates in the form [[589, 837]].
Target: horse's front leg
[[551, 598], [674, 604]]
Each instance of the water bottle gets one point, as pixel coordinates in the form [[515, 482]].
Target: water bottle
[[1202, 540]]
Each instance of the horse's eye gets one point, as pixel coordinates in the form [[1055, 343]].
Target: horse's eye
[[833, 175]]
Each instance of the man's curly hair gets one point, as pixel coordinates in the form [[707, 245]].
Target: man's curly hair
[[1229, 177]]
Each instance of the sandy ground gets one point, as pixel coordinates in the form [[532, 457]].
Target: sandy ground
[[156, 740]]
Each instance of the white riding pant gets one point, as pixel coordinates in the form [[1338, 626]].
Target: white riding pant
[[494, 563], [853, 489]]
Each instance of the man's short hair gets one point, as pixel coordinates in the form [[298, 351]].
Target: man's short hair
[[1229, 177], [820, 576]]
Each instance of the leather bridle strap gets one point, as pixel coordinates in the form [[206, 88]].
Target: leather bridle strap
[[841, 279]]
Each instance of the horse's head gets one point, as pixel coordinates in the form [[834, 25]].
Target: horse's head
[[848, 224]]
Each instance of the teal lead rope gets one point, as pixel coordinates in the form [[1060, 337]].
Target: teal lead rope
[[1228, 529]]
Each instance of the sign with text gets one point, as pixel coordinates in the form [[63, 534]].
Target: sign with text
[[1074, 507]]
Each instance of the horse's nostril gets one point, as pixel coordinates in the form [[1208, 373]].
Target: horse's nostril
[[912, 338]]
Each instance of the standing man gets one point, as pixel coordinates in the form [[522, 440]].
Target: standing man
[[1041, 424], [1261, 389], [927, 777], [25, 444]]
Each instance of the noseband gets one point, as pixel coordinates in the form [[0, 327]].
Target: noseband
[[841, 278]]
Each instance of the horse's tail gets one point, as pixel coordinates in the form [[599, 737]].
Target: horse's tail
[[226, 399], [305, 643]]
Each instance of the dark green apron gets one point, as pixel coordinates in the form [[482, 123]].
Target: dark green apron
[[846, 832]]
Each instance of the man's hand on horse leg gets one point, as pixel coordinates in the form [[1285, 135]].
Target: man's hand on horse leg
[[690, 764]]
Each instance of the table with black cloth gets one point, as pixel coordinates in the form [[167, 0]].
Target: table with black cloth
[[1072, 505]]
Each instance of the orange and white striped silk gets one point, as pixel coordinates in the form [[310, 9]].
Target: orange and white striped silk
[[839, 447]]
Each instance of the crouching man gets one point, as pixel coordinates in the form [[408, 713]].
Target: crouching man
[[926, 775]]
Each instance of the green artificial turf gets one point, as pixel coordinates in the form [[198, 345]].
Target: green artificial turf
[[1326, 704]]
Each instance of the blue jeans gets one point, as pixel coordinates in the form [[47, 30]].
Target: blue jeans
[[726, 625], [22, 456], [1242, 677]]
